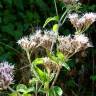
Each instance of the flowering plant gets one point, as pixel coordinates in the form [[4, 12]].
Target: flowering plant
[[58, 49]]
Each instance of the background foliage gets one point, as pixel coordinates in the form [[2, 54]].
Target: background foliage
[[21, 17]]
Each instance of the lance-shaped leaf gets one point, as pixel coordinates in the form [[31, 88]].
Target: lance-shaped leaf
[[66, 66], [42, 76], [55, 18]]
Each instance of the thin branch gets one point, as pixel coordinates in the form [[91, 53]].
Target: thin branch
[[56, 7], [57, 74], [10, 47]]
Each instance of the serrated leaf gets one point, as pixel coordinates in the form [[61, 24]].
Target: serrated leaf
[[21, 88], [55, 18]]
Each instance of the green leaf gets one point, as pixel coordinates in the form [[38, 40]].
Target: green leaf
[[55, 91], [31, 89], [60, 56], [27, 95], [52, 57], [14, 94], [55, 18], [66, 66], [55, 27], [21, 88], [33, 81], [58, 91], [41, 75], [51, 92], [38, 61]]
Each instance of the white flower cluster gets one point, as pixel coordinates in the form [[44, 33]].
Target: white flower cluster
[[45, 40], [6, 75], [81, 24], [69, 45]]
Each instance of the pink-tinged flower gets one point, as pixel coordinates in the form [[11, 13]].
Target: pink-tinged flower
[[83, 23], [26, 43], [81, 38], [6, 75], [80, 23], [90, 17], [73, 16], [35, 40], [73, 19], [69, 45]]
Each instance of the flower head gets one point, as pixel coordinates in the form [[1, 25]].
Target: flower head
[[45, 40], [69, 45], [83, 23], [48, 39], [90, 17], [73, 19], [28, 43], [6, 75]]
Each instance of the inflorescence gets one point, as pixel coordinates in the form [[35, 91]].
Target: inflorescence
[[83, 23], [6, 75]]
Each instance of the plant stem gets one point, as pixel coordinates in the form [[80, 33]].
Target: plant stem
[[56, 7], [36, 93], [28, 55], [46, 94], [63, 15], [57, 74], [67, 12], [11, 89]]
